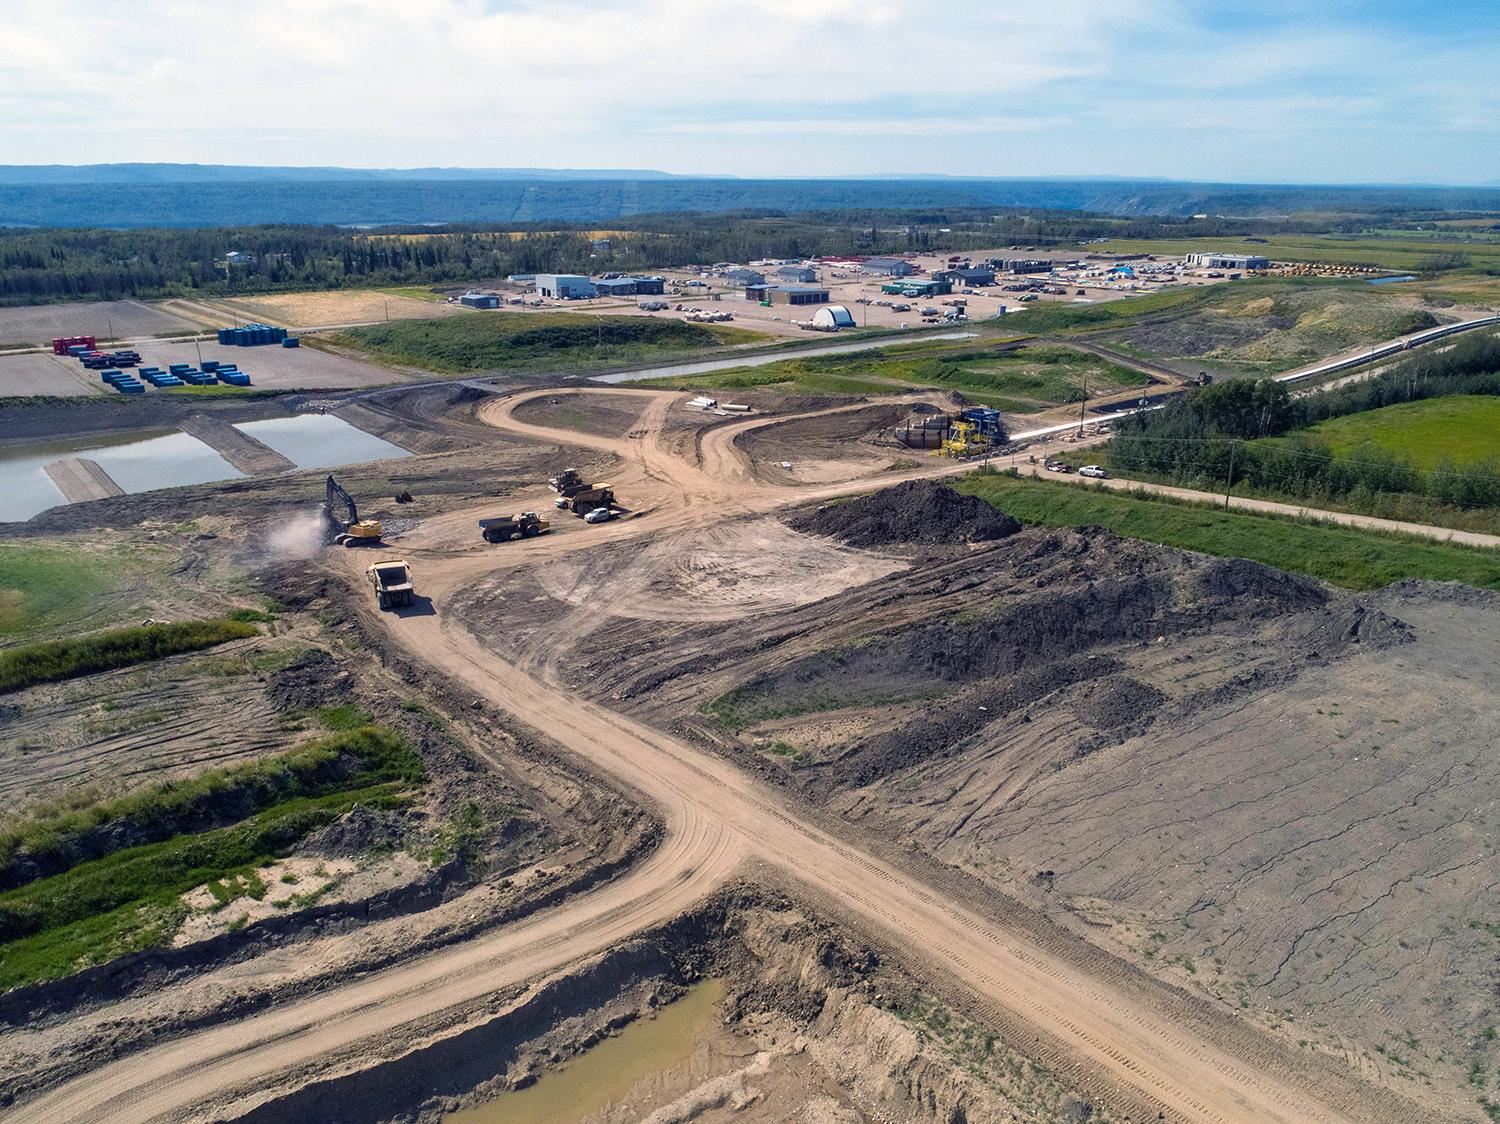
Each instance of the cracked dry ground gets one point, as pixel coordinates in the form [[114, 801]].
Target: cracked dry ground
[[1276, 796]]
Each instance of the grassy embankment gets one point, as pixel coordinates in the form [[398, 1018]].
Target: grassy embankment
[[537, 342], [1344, 556], [53, 660], [218, 829], [1258, 326], [1020, 380], [1461, 430]]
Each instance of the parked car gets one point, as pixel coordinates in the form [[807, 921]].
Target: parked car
[[599, 515], [1093, 471], [1059, 466]]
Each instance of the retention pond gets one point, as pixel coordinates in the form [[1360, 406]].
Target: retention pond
[[609, 1070]]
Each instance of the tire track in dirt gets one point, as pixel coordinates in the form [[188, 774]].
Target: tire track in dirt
[[1082, 1023]]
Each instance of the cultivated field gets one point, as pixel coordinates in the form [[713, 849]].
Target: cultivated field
[[38, 325], [335, 309]]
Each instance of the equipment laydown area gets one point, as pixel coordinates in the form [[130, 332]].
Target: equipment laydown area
[[1099, 816]]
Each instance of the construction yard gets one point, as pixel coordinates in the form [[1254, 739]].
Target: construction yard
[[799, 786]]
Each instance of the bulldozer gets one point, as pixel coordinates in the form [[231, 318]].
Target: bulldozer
[[523, 524], [352, 530], [583, 502], [567, 483], [391, 579]]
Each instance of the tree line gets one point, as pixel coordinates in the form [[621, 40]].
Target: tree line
[[44, 265], [1213, 434]]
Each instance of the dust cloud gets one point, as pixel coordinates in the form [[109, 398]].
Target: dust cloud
[[295, 536]]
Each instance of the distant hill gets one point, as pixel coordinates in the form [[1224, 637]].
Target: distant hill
[[192, 195], [247, 173]]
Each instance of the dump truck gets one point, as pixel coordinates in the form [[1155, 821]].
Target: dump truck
[[352, 530], [569, 482], [523, 524], [391, 579], [600, 495]]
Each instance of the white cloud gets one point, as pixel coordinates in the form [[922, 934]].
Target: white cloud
[[853, 127], [750, 87]]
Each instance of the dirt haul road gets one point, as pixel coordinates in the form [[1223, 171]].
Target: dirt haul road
[[1091, 1025]]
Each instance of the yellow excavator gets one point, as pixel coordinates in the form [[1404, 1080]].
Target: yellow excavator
[[352, 530]]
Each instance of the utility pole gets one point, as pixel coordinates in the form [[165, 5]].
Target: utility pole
[[1229, 481], [1084, 403]]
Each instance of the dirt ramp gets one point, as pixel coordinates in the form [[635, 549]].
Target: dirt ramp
[[918, 511]]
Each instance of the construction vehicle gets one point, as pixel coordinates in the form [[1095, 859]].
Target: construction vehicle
[[569, 482], [964, 440], [352, 530], [523, 524], [391, 578], [600, 495]]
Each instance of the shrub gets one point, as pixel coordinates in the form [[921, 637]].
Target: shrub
[[53, 660]]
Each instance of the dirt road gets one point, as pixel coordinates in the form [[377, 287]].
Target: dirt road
[[1141, 1048]]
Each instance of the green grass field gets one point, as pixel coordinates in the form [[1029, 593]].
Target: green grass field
[[1019, 380], [46, 586], [539, 342], [1345, 556], [1463, 430]]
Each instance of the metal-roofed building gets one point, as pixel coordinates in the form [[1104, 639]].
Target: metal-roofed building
[[565, 286], [888, 267]]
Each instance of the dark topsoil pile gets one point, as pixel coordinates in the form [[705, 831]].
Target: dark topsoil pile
[[918, 511]]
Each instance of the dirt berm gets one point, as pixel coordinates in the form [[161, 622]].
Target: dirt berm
[[918, 511], [830, 1031]]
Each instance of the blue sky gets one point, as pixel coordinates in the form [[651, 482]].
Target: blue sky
[[1330, 92]]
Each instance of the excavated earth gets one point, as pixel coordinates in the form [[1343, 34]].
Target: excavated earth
[[1271, 794]]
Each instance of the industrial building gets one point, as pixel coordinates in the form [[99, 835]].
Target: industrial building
[[888, 267], [565, 286], [739, 277], [1030, 265], [832, 317], [479, 300], [786, 294], [965, 277], [917, 287], [1228, 261], [631, 286], [796, 274]]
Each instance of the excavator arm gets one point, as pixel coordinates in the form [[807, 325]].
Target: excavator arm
[[353, 531], [337, 495]]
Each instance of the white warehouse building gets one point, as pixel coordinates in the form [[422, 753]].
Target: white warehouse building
[[833, 317], [565, 286]]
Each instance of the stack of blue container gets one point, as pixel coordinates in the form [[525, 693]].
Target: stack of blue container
[[252, 335], [157, 377], [125, 384]]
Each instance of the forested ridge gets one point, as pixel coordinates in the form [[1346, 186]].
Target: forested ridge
[[39, 266]]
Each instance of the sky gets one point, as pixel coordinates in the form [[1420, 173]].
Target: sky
[[1338, 91]]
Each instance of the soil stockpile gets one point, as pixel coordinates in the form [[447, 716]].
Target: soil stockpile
[[918, 511]]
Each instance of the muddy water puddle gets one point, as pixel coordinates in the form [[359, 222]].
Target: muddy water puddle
[[608, 1071], [321, 441], [137, 462]]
